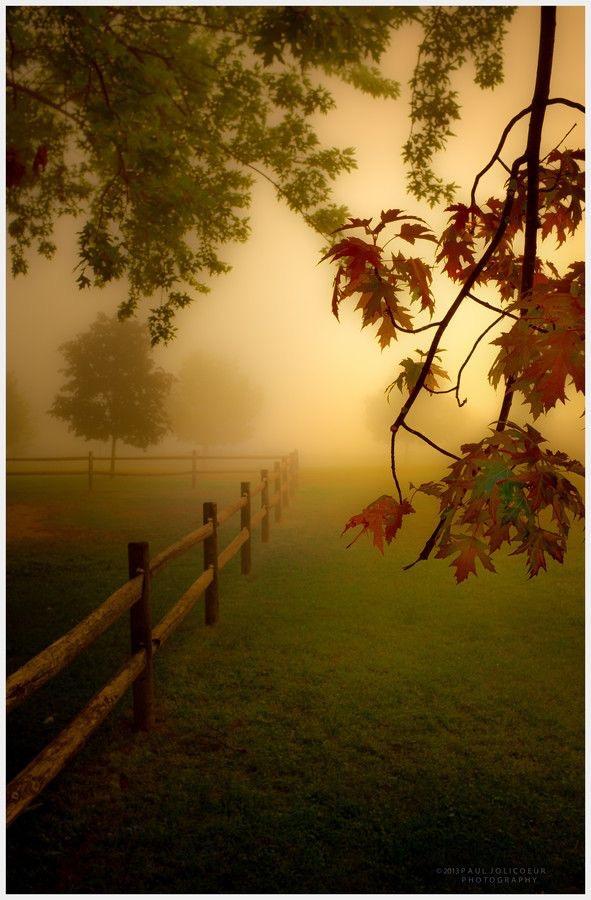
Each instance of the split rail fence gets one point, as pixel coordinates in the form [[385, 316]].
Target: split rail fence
[[91, 471], [275, 489]]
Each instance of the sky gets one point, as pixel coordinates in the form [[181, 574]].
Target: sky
[[271, 316]]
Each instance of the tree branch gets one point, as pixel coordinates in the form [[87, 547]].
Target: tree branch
[[427, 440], [456, 387], [408, 330], [464, 291], [524, 112], [505, 312], [278, 188], [31, 92], [534, 140], [561, 141], [429, 544]]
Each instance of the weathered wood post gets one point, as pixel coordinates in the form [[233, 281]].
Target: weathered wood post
[[90, 469], [210, 560], [265, 505], [138, 555], [291, 469], [277, 471], [284, 482], [245, 550], [194, 469]]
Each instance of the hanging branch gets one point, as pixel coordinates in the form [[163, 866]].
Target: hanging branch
[[498, 490], [532, 154], [456, 387], [466, 288], [506, 131], [427, 440]]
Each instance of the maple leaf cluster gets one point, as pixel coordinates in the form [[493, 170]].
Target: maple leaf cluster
[[544, 351], [506, 489], [470, 227], [365, 269]]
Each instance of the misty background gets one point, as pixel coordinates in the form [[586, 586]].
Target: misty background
[[270, 317]]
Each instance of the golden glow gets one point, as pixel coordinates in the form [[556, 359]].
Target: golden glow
[[272, 313]]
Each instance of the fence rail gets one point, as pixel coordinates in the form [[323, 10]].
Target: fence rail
[[146, 641], [91, 472]]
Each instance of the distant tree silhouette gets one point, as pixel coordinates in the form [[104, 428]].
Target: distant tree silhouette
[[213, 403], [113, 391], [19, 428]]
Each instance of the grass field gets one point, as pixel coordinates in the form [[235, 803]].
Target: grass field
[[346, 726]]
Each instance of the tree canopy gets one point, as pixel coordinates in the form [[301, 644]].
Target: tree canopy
[[212, 403], [113, 389], [150, 124]]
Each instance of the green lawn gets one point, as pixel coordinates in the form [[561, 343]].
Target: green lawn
[[346, 727]]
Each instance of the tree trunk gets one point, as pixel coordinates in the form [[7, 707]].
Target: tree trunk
[[534, 137], [113, 443]]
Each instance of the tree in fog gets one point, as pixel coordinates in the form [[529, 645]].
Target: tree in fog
[[113, 390], [19, 429], [213, 403]]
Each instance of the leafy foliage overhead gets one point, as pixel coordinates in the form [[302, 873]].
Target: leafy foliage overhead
[[150, 124], [452, 35]]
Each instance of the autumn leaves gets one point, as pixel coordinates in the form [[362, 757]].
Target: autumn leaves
[[507, 489]]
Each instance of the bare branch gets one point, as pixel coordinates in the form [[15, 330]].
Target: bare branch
[[427, 440], [505, 312], [464, 291], [429, 544], [456, 388], [408, 330], [561, 141], [524, 112]]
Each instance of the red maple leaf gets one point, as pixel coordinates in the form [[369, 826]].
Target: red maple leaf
[[381, 519], [410, 233], [469, 548]]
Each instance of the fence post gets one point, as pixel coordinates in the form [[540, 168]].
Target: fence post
[[265, 505], [245, 550], [284, 482], [138, 555], [194, 469], [291, 474], [277, 471], [90, 469], [210, 560], [296, 469]]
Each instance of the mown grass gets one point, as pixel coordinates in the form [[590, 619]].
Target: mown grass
[[346, 727]]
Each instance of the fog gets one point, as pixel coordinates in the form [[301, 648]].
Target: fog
[[271, 316]]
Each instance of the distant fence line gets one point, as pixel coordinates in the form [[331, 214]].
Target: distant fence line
[[146, 640], [91, 472]]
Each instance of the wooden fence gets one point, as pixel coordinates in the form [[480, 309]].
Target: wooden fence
[[275, 490], [91, 472]]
